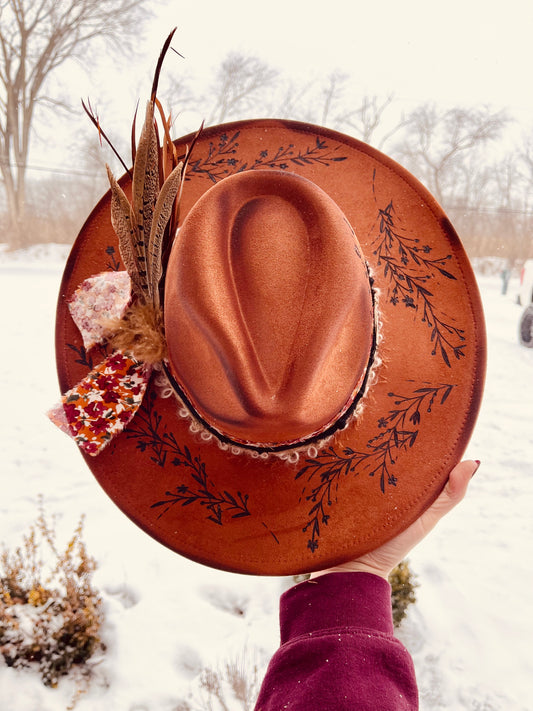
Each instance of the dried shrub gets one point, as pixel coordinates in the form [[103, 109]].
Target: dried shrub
[[50, 613], [403, 585], [235, 685]]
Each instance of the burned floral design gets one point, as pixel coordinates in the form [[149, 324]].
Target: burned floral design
[[221, 159], [114, 264], [409, 268], [83, 356], [397, 431], [153, 437]]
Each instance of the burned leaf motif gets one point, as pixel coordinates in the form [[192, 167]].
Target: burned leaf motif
[[87, 357], [398, 431], [83, 357], [409, 271], [152, 437], [113, 265], [221, 159]]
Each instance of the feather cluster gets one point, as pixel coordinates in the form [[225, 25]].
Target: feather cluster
[[147, 225]]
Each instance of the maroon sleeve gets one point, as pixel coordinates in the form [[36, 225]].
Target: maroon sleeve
[[338, 650]]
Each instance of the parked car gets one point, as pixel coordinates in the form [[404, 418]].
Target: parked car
[[525, 298]]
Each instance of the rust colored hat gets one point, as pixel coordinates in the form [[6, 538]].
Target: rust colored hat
[[323, 355]]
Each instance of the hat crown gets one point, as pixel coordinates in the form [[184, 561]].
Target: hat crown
[[267, 344]]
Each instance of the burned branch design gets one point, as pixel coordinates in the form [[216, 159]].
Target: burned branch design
[[409, 268], [113, 264], [221, 159], [203, 493], [163, 447], [84, 358], [319, 154], [398, 430]]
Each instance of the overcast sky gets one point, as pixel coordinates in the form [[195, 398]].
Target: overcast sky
[[458, 52]]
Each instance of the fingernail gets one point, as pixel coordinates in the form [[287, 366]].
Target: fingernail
[[477, 466]]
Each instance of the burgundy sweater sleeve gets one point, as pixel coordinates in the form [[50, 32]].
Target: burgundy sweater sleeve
[[338, 650]]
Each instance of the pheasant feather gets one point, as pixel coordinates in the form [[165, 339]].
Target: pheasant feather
[[162, 212], [146, 227], [123, 222], [145, 187]]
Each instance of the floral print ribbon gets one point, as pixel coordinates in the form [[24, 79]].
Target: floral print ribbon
[[102, 404]]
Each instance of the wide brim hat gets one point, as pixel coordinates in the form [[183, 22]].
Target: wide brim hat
[[324, 353]]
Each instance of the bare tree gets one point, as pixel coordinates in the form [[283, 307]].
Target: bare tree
[[331, 103], [181, 98], [525, 159], [333, 93], [292, 101], [367, 118], [516, 197], [241, 83], [437, 141], [471, 208], [36, 37]]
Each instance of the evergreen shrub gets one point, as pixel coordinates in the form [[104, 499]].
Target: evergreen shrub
[[403, 583]]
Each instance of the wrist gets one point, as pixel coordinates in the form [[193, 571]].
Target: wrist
[[355, 566]]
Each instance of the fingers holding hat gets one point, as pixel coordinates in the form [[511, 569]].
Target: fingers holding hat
[[453, 493], [383, 559]]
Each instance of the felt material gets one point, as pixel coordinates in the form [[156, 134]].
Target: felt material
[[264, 338], [338, 650], [240, 328]]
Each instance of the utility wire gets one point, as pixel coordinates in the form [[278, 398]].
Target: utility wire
[[466, 208], [43, 169], [489, 209]]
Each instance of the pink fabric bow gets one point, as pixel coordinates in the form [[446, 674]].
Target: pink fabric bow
[[101, 405]]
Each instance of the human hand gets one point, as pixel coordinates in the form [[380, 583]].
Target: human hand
[[383, 559]]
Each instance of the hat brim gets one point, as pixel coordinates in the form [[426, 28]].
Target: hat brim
[[370, 480]]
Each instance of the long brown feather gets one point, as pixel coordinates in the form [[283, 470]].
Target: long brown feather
[[146, 227], [172, 225], [133, 127], [101, 134], [162, 54], [176, 213], [162, 212], [169, 152], [145, 188], [124, 225]]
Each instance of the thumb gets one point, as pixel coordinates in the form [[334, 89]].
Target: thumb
[[453, 492], [383, 559]]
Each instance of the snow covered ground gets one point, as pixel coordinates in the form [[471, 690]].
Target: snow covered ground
[[470, 633]]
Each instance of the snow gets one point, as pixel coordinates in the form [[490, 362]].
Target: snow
[[166, 618]]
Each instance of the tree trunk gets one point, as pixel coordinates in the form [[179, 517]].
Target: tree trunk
[[16, 236]]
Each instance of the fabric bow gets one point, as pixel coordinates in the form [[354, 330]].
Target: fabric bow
[[101, 405]]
